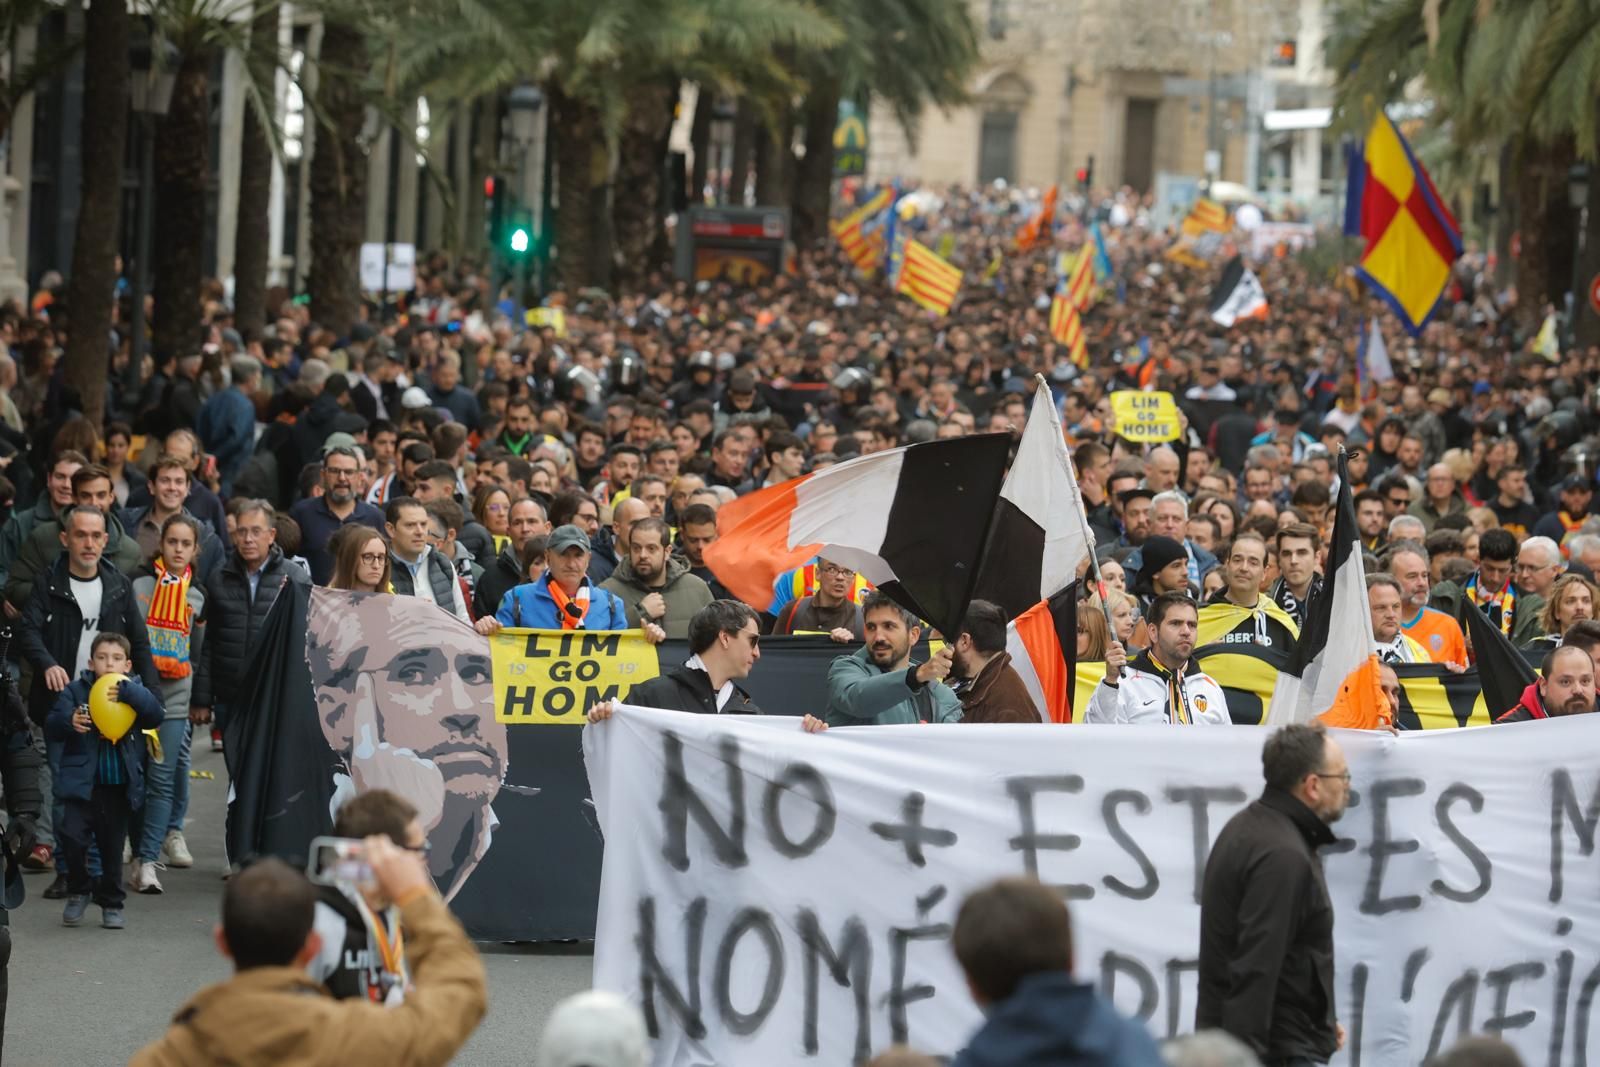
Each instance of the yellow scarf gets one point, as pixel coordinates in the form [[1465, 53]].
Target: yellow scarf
[[168, 622]]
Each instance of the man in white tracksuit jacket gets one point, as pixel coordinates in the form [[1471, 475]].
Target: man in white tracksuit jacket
[[1162, 685]]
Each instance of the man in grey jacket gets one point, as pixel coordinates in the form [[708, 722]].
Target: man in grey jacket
[[878, 684]]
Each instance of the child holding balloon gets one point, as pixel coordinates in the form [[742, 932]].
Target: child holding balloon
[[98, 719]]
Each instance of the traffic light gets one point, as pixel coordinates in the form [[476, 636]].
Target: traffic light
[[1085, 175], [494, 208], [520, 240]]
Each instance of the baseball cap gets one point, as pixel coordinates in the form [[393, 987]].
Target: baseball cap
[[1439, 396], [414, 398], [1576, 481], [1481, 388], [565, 537], [741, 383], [1135, 493], [337, 440], [594, 1029]]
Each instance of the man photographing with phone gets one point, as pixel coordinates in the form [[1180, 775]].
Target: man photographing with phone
[[272, 1011]]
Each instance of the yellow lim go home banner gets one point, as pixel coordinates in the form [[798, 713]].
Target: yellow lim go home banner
[[554, 676], [1145, 418]]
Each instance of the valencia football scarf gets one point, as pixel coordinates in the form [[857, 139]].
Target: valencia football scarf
[[168, 622]]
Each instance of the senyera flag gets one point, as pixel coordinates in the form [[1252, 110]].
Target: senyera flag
[[913, 521]]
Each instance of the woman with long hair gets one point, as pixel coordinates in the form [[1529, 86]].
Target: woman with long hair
[[491, 505], [1572, 600], [360, 560], [1226, 512], [1092, 631]]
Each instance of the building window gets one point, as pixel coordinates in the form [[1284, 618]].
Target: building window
[[997, 146], [997, 20]]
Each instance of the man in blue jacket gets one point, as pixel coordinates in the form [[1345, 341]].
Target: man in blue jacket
[[879, 684], [100, 781], [564, 598], [227, 422], [1013, 939]]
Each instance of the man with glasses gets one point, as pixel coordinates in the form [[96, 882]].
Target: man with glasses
[[724, 646], [1396, 496], [238, 599], [1492, 588], [1266, 920], [830, 610], [1539, 564], [339, 505]]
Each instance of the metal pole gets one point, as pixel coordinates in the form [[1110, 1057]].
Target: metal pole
[[141, 284], [1578, 294]]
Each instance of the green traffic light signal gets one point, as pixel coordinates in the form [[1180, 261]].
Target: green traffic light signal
[[520, 240]]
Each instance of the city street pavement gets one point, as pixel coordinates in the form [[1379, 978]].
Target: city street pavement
[[88, 996]]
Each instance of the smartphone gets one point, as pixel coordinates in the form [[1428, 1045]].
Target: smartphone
[[338, 861]]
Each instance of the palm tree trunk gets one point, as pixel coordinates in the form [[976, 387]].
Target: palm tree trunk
[[642, 152], [1542, 218], [705, 102], [94, 246], [182, 164], [744, 144], [338, 180], [772, 161], [253, 234], [580, 159], [813, 178]]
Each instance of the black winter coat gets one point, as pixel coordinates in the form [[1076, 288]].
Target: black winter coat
[[1266, 933], [232, 621], [52, 625], [503, 574], [688, 689]]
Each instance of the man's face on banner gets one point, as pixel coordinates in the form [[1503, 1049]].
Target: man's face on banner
[[406, 698]]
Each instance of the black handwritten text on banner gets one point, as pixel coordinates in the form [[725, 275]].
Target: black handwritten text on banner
[[770, 896]]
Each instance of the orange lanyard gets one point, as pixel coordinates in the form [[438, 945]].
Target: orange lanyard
[[392, 951]]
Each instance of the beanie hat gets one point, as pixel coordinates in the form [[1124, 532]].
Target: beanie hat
[[1159, 553], [594, 1029]]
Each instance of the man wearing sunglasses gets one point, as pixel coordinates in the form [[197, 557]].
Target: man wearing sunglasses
[[725, 642], [363, 954]]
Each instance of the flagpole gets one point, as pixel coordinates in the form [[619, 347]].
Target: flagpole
[[1083, 517]]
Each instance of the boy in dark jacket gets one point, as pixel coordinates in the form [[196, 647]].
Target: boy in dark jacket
[[1013, 939], [101, 782]]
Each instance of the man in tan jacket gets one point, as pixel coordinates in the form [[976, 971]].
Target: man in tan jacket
[[271, 1012]]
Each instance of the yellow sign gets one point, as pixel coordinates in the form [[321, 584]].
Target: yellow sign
[[849, 142], [555, 676], [1145, 418], [539, 318]]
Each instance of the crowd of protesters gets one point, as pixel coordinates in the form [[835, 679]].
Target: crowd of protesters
[[571, 474]]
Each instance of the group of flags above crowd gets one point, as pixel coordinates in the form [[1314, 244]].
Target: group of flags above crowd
[[1410, 242]]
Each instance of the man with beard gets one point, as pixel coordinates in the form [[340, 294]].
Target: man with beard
[[654, 586], [1161, 684], [1266, 920], [879, 684], [405, 699], [989, 689], [697, 529], [830, 610], [339, 505], [1565, 687]]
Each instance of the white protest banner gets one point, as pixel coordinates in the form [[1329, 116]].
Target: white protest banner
[[775, 897]]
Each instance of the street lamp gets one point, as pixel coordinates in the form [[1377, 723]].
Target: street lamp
[[150, 96], [1578, 200]]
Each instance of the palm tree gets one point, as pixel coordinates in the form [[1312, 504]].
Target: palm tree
[[338, 174], [907, 54], [182, 168], [252, 235], [94, 246], [22, 79]]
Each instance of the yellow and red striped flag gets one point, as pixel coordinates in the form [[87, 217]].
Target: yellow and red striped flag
[[927, 279], [863, 246], [1066, 326], [1080, 280], [1206, 215]]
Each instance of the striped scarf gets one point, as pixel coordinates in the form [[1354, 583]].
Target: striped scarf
[[1505, 600], [168, 622]]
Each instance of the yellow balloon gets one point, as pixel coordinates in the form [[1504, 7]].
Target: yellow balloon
[[112, 719]]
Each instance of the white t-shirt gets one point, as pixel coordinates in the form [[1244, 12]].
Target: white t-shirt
[[88, 595]]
